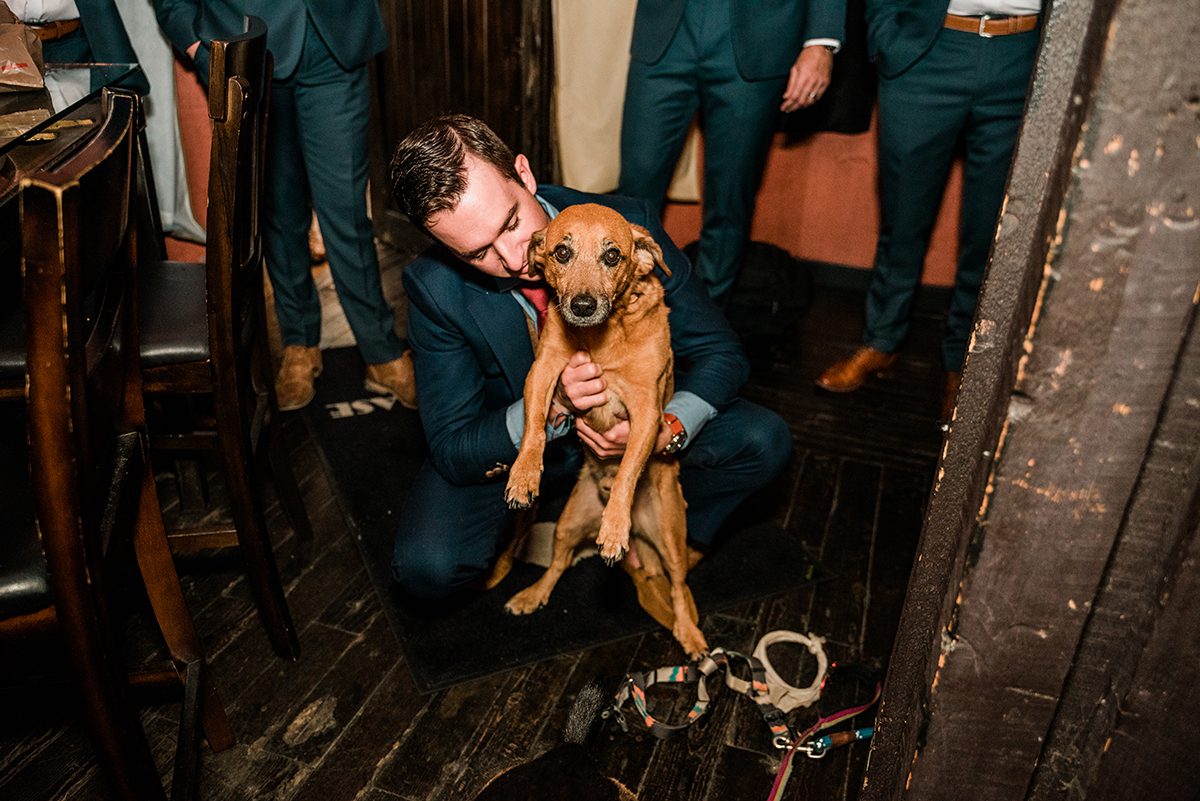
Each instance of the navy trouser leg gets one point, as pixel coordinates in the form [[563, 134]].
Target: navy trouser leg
[[991, 136], [449, 534], [660, 102], [738, 452], [921, 114], [317, 158], [738, 117]]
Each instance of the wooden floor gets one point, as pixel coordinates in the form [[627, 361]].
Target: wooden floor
[[346, 722]]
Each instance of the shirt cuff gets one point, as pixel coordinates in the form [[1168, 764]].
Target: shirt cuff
[[834, 43], [514, 421], [693, 412]]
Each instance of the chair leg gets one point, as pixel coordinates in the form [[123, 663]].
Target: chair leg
[[279, 452], [261, 571], [185, 780], [112, 719], [170, 609], [117, 731]]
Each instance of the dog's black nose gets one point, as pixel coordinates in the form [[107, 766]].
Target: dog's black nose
[[583, 305]]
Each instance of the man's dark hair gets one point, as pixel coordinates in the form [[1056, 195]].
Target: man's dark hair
[[428, 171]]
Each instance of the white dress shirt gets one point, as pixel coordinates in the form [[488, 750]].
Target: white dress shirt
[[43, 10], [994, 8]]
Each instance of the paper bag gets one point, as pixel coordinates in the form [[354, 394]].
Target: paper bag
[[21, 67]]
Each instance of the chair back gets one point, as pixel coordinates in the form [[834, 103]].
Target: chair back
[[78, 262], [239, 87]]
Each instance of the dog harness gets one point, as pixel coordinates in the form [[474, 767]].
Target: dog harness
[[763, 686]]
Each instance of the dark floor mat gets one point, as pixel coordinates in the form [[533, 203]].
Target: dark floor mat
[[372, 450]]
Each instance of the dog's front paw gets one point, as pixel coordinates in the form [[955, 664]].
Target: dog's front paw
[[613, 540], [522, 489], [526, 601]]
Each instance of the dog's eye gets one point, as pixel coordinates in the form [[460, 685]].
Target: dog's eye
[[611, 257], [563, 254]]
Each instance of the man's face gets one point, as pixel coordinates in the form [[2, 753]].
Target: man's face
[[491, 226]]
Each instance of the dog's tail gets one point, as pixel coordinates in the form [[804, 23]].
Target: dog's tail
[[584, 713]]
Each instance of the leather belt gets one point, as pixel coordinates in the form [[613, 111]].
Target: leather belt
[[51, 31], [987, 26]]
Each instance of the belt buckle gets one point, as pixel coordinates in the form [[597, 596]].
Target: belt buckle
[[983, 27]]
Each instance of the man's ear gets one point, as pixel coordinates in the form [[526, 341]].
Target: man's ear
[[525, 173], [537, 253], [647, 253]]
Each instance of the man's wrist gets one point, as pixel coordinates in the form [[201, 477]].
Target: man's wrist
[[559, 417], [679, 435]]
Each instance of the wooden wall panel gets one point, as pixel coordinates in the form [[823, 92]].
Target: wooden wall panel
[[489, 58], [1125, 721], [1115, 303]]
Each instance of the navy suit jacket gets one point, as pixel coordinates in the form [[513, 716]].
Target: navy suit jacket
[[472, 351], [899, 32], [767, 34], [107, 38], [352, 29]]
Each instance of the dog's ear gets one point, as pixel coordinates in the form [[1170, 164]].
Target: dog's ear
[[537, 253], [647, 253]]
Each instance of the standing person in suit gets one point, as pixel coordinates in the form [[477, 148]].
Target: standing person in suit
[[948, 73], [316, 159], [79, 31], [737, 62], [472, 303]]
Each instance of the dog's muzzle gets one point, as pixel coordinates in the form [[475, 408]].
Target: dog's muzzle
[[585, 310]]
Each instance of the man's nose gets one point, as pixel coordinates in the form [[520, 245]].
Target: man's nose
[[512, 255]]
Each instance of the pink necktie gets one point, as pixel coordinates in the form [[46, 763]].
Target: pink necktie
[[539, 296]]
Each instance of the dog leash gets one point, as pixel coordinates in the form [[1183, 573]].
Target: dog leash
[[764, 687]]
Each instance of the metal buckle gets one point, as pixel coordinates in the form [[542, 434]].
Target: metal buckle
[[982, 23]]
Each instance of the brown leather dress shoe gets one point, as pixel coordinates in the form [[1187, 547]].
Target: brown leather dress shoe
[[396, 378], [950, 395], [294, 382], [850, 374]]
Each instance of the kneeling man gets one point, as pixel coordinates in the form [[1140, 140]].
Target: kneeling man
[[474, 310]]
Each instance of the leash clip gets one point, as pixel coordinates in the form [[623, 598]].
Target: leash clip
[[813, 749]]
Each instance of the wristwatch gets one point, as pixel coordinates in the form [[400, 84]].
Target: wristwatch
[[678, 434]]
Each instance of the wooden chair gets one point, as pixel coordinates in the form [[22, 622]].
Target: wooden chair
[[82, 515], [204, 333]]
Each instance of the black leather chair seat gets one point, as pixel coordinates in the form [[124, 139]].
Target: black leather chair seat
[[174, 312], [24, 582]]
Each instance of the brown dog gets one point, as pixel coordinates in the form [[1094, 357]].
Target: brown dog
[[610, 304]]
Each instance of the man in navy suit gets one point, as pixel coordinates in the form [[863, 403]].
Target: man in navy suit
[[951, 73], [737, 63], [316, 159], [469, 328]]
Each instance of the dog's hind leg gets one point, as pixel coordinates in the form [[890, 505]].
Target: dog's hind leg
[[672, 544], [522, 523], [576, 524]]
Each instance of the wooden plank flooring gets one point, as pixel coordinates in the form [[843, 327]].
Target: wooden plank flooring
[[346, 722]]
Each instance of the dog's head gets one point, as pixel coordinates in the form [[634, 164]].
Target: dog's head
[[590, 256]]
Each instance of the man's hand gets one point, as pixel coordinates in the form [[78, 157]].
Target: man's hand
[[611, 444], [808, 79], [192, 48], [581, 386]]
